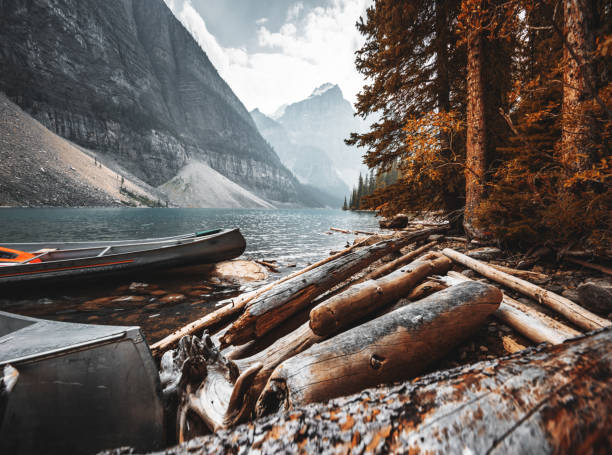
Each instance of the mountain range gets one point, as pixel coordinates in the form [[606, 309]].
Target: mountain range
[[126, 82], [309, 138]]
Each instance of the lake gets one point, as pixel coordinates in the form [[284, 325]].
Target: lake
[[290, 236]]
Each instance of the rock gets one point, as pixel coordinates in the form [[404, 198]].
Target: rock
[[596, 295], [142, 288], [99, 301], [172, 299], [129, 299], [397, 222], [556, 288], [433, 237], [485, 253], [291, 265], [158, 292], [571, 294], [239, 271], [469, 273]]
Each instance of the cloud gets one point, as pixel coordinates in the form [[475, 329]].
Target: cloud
[[313, 46], [261, 20]]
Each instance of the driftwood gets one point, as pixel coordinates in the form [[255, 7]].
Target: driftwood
[[534, 277], [601, 268], [232, 309], [346, 231], [268, 265], [529, 322], [549, 399], [271, 309], [573, 312], [399, 262], [343, 231], [511, 345], [392, 347], [425, 289], [362, 299]]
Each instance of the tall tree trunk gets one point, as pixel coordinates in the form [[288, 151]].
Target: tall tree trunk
[[476, 132], [577, 55], [451, 199]]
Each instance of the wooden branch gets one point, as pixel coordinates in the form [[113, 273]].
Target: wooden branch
[[362, 299], [550, 399], [601, 268], [573, 312], [392, 347], [399, 262], [268, 265], [529, 322], [534, 277], [237, 305], [270, 310], [343, 231]]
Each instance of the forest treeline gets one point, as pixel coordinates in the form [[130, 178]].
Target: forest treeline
[[496, 112]]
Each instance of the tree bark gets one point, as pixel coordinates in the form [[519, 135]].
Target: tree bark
[[475, 161], [358, 301], [550, 399], [271, 309], [573, 312], [578, 73], [392, 347]]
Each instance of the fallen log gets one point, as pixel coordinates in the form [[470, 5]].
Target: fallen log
[[399, 262], [392, 347], [549, 399], [270, 310], [343, 231], [535, 277], [425, 289], [601, 268], [237, 305], [359, 300], [573, 312], [529, 322]]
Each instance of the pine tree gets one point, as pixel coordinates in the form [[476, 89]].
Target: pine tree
[[344, 206]]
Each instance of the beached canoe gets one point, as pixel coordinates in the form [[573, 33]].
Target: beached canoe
[[52, 261], [78, 388]]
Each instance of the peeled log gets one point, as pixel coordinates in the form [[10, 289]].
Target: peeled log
[[272, 308], [534, 325], [362, 299], [392, 347], [549, 399], [575, 313]]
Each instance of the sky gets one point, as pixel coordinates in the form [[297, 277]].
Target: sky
[[276, 52]]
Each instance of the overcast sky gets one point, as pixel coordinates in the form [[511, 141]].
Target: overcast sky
[[275, 52]]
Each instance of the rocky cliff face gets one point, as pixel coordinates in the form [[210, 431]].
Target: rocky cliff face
[[324, 120], [125, 78], [311, 165]]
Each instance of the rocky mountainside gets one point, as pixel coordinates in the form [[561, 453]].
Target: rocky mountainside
[[324, 120], [39, 168], [125, 78], [311, 165]]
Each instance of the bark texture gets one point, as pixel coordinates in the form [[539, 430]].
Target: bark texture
[[550, 399], [475, 164], [392, 347]]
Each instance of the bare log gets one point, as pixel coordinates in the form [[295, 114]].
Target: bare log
[[392, 347], [362, 299], [549, 399], [601, 268], [343, 231], [399, 262], [529, 322], [270, 310], [237, 305], [535, 277], [573, 312]]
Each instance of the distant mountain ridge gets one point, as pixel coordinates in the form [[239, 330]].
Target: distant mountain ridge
[[309, 138], [125, 78]]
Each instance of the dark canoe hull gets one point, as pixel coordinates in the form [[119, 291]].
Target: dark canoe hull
[[123, 257], [80, 389]]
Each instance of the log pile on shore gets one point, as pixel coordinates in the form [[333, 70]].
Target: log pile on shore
[[355, 321]]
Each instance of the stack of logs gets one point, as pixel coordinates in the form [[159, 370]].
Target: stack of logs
[[331, 330]]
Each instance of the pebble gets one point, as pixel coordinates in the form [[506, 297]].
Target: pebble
[[484, 349]]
